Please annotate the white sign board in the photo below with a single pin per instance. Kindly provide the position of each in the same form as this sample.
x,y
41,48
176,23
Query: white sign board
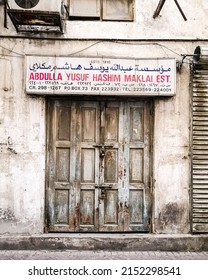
x,y
100,76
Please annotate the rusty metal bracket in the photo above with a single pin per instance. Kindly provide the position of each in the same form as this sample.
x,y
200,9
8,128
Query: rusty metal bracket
x,y
181,11
160,5
103,146
103,190
102,149
5,13
103,186
159,8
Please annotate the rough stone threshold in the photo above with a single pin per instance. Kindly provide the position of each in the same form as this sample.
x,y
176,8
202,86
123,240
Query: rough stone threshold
x,y
113,242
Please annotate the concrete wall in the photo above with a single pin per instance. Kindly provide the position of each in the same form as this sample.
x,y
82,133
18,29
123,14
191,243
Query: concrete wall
x,y
22,117
171,159
22,148
168,25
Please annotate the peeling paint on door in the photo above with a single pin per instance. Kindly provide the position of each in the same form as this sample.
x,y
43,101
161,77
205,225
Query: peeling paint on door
x,y
100,155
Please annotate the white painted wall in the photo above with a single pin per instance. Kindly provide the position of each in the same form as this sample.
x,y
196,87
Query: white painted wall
x,y
171,159
22,117
168,25
22,149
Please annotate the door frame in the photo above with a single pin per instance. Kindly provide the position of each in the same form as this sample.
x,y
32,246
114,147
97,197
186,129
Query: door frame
x,y
151,106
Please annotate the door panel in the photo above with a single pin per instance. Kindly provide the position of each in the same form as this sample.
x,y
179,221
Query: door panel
x,y
98,166
112,166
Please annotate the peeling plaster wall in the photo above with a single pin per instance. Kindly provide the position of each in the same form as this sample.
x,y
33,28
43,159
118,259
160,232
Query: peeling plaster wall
x,y
168,25
172,159
22,149
22,117
146,27
23,120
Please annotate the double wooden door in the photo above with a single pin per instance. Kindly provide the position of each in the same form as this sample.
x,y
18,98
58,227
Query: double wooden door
x,y
98,166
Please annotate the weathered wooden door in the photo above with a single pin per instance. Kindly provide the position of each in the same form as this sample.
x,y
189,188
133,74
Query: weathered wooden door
x,y
98,166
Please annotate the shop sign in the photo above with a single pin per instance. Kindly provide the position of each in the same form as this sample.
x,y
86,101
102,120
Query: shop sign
x,y
100,76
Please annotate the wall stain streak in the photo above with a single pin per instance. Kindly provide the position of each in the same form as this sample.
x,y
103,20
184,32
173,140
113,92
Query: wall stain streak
x,y
7,215
171,216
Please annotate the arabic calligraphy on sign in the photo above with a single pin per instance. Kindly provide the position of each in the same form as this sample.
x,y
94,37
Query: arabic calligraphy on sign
x,y
102,69
62,75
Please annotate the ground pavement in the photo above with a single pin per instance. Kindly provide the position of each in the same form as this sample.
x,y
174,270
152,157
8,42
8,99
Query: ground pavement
x,y
100,255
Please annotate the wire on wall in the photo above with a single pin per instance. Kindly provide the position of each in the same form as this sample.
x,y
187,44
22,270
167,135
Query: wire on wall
x,y
185,59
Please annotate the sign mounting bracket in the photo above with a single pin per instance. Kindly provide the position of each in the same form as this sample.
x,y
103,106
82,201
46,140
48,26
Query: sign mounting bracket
x,y
160,6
